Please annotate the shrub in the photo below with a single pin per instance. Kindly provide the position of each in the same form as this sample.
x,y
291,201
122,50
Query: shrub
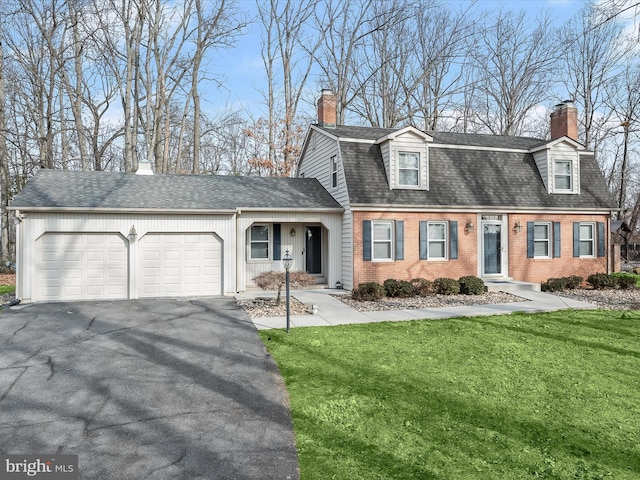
x,y
398,288
624,281
471,285
574,281
554,285
446,286
422,286
369,291
600,281
275,281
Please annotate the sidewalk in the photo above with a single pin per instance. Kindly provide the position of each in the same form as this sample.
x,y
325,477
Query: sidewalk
x,y
332,311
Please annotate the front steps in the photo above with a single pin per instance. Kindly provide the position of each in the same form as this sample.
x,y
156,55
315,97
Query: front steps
x,y
509,285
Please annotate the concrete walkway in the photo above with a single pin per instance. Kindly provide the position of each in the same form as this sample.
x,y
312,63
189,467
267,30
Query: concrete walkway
x,y
332,311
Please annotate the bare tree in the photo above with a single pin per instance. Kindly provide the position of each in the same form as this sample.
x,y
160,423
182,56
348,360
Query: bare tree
x,y
513,63
288,48
593,50
5,178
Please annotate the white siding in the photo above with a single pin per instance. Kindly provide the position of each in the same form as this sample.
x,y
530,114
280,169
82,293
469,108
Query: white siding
x,y
36,225
315,164
296,244
541,159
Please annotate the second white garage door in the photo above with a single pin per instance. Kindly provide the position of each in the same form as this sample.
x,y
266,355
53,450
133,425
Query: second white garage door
x,y
180,265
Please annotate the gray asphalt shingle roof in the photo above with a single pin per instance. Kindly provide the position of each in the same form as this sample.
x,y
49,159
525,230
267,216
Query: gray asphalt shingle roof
x,y
109,190
465,177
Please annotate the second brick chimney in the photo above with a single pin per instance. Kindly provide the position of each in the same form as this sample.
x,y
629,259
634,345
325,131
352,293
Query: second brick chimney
x,y
327,109
564,121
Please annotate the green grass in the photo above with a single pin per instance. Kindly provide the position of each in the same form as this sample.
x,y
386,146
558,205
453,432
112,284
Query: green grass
x,y
509,397
7,289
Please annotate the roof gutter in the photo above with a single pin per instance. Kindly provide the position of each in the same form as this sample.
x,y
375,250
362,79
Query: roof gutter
x,y
226,211
475,209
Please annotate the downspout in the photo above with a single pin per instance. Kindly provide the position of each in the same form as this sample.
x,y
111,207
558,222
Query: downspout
x,y
239,250
19,261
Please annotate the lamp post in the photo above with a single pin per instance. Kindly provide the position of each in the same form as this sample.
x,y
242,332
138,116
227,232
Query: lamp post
x,y
286,261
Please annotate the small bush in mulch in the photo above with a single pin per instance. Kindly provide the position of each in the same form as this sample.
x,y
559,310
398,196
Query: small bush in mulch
x,y
573,281
600,281
422,286
446,286
471,285
272,280
398,288
561,284
368,292
554,285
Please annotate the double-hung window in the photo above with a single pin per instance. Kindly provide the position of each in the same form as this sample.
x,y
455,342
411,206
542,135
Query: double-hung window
x,y
587,240
259,242
409,169
437,240
382,240
562,180
542,240
334,171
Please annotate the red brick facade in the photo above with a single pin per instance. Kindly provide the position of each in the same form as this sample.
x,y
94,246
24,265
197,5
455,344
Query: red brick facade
x,y
519,267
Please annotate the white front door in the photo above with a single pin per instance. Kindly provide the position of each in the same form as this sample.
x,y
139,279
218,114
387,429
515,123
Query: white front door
x,y
493,245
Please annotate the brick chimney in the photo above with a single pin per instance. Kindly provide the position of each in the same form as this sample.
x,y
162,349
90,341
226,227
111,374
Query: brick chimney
x,y
564,121
327,109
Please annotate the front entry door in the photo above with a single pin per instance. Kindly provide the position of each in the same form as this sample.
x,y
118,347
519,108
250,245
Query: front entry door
x,y
492,246
313,248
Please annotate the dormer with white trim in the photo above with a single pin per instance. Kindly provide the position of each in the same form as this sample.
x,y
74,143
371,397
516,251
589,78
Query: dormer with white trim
x,y
405,154
558,160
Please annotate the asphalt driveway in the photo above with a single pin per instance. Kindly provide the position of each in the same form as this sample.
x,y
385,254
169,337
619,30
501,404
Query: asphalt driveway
x,y
147,389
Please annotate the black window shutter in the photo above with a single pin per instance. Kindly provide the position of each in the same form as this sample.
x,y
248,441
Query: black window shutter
x,y
423,240
399,240
366,240
576,239
556,240
277,254
453,240
530,240
601,239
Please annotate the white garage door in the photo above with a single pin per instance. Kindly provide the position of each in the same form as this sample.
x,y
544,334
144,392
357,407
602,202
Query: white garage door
x,y
180,265
75,266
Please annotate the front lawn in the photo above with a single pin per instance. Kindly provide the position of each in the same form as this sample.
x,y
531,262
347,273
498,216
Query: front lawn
x,y
508,397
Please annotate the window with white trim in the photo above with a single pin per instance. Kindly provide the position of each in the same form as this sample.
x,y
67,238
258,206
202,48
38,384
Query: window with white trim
x,y
334,171
382,240
587,240
542,240
409,169
437,240
259,242
562,175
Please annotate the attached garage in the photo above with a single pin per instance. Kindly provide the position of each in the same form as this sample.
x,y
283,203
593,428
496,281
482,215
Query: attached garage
x,y
112,236
180,264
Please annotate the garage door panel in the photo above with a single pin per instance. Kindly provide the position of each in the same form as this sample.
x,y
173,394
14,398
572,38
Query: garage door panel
x,y
180,264
81,266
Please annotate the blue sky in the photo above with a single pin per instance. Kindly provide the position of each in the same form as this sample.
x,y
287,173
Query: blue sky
x,y
243,70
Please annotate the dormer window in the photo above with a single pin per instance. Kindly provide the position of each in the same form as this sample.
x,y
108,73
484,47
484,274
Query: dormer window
x,y
409,169
562,180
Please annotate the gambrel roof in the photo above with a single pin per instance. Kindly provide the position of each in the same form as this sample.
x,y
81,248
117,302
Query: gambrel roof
x,y
500,172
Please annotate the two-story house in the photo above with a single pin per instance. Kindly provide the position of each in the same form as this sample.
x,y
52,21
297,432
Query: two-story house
x,y
435,204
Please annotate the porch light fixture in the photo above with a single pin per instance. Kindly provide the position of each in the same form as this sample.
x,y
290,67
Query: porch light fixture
x,y
286,262
132,234
517,227
293,232
468,228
